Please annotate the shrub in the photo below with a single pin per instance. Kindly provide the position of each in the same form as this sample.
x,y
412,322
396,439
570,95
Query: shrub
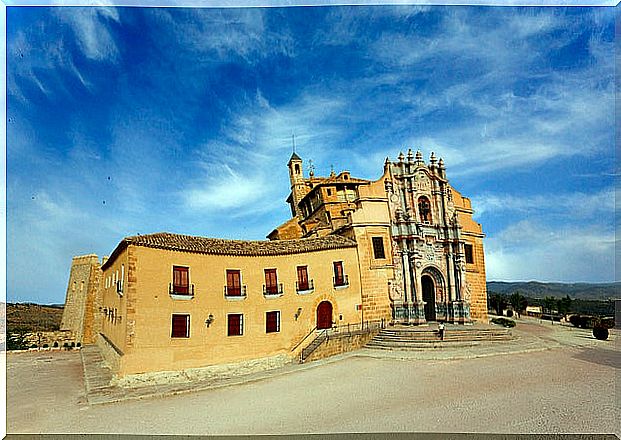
x,y
72,344
581,321
33,346
45,346
66,345
574,319
600,332
79,344
509,313
504,322
55,344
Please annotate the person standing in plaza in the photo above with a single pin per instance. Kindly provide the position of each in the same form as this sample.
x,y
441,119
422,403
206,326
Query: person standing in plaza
x,y
441,331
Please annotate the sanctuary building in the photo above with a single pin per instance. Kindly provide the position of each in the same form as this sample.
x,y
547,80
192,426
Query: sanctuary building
x,y
401,249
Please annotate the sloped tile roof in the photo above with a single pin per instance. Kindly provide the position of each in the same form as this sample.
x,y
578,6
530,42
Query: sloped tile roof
x,y
220,246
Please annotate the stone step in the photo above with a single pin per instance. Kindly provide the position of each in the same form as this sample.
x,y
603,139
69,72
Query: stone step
x,y
420,346
452,331
431,341
424,341
446,337
417,338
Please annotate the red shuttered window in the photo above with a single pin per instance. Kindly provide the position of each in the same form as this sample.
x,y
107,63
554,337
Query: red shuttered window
x,y
271,281
339,276
180,326
302,278
181,280
235,324
233,282
272,322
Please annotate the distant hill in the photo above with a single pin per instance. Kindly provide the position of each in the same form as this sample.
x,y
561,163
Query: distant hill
x,y
33,317
536,289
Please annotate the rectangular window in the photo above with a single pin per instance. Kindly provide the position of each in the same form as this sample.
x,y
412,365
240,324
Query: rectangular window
x,y
271,281
339,275
302,278
233,282
180,326
181,280
378,248
236,324
272,322
469,253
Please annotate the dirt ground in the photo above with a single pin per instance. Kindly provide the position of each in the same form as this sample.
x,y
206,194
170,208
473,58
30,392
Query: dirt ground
x,y
567,389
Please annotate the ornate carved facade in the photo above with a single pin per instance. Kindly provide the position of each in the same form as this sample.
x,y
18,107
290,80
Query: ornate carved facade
x,y
435,270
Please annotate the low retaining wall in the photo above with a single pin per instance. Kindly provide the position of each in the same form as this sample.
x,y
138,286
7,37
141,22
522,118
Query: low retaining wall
x,y
39,339
110,353
341,343
222,371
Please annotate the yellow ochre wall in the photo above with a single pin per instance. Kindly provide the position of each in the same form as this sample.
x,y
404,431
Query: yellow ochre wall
x,y
472,233
148,343
115,329
372,219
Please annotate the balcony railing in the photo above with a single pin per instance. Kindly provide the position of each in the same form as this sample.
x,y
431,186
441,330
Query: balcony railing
x,y
186,291
235,291
272,289
308,286
340,281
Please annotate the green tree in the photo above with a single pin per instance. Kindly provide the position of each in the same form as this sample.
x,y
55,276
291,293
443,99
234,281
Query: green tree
x,y
497,302
518,302
17,340
550,304
564,306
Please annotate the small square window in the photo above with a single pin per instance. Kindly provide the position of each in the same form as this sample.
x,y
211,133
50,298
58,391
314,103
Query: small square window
x,y
235,324
378,248
180,326
272,322
469,253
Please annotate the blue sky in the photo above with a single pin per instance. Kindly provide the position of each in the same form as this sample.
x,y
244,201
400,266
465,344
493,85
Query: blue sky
x,y
139,120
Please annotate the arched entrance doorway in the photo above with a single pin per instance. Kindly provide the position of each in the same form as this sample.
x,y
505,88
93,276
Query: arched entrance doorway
x,y
429,296
324,315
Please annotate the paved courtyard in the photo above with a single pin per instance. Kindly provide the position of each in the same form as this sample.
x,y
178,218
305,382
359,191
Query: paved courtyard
x,y
569,383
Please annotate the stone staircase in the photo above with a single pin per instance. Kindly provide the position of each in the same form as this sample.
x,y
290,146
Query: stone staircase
x,y
97,376
421,338
307,351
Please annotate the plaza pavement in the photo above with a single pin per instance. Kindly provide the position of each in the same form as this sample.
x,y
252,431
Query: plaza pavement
x,y
550,378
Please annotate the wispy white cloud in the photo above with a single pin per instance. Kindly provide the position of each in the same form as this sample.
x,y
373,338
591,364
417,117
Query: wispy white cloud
x,y
49,227
511,110
228,191
91,27
216,35
245,166
575,206
529,250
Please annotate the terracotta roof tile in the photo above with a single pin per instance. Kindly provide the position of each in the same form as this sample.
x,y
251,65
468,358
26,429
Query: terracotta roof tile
x,y
220,246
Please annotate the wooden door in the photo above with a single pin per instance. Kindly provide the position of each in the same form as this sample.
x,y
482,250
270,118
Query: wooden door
x,y
324,315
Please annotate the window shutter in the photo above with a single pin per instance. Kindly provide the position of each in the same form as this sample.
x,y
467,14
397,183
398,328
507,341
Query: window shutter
x,y
235,325
180,279
303,276
180,326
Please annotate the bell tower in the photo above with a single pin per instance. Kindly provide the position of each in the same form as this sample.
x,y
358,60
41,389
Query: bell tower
x,y
296,177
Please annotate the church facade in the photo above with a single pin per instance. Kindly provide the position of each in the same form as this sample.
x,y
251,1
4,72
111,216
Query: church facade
x,y
403,249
